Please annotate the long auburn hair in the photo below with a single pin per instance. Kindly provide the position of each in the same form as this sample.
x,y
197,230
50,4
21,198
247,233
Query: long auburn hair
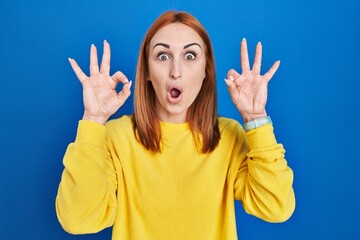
x,y
201,115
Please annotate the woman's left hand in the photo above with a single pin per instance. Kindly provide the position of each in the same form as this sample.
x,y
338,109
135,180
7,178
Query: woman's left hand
x,y
248,90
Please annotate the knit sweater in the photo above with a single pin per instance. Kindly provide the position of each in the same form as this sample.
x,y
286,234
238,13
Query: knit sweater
x,y
110,179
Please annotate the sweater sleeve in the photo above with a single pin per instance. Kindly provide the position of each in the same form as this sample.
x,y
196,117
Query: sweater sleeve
x,y
86,199
264,181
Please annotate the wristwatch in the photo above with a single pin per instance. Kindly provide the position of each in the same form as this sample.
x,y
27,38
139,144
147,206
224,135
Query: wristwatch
x,y
258,122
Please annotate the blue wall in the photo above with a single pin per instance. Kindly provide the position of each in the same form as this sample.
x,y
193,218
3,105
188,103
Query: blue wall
x,y
313,100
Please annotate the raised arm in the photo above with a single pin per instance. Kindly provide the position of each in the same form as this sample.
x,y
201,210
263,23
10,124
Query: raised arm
x,y
263,180
86,199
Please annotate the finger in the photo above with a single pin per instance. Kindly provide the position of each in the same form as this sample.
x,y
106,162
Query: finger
x,y
232,74
105,62
94,66
239,81
272,71
124,93
119,77
244,56
235,77
257,60
79,73
231,88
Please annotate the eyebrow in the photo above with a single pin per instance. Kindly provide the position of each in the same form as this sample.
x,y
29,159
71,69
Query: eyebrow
x,y
192,44
162,44
168,46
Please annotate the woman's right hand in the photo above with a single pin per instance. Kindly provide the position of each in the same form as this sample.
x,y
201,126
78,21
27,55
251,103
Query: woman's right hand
x,y
99,90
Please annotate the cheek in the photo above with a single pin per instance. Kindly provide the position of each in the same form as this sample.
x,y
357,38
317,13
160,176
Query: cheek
x,y
199,73
158,81
199,76
196,83
201,70
154,76
150,71
156,71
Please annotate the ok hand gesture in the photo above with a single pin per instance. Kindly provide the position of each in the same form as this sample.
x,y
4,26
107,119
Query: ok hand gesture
x,y
99,90
248,90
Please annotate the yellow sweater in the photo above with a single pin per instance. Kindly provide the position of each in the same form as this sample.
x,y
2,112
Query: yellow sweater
x,y
110,179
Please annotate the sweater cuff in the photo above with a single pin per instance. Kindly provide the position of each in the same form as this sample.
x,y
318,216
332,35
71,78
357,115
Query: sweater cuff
x,y
89,132
261,137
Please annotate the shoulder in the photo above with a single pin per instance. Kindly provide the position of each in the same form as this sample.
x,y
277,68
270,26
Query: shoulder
x,y
229,124
122,124
231,130
123,120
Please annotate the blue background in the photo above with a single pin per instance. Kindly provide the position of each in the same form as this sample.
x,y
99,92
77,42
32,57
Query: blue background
x,y
313,100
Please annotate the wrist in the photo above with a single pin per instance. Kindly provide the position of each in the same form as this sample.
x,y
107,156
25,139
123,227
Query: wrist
x,y
97,119
252,116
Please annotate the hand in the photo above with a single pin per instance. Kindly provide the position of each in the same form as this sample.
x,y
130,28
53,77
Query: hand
x,y
248,90
99,90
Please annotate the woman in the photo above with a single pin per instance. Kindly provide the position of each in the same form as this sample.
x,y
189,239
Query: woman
x,y
173,169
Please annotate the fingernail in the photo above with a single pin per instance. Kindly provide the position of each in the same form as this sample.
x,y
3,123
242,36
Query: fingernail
x,y
231,78
244,39
227,82
130,83
92,45
259,43
126,80
69,59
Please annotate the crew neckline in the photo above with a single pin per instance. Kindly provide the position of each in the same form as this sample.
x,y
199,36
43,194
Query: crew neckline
x,y
174,127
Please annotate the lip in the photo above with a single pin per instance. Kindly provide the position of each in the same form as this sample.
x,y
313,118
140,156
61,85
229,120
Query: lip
x,y
171,99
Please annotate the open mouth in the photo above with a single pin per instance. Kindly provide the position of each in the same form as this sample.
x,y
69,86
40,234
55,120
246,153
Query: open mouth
x,y
174,94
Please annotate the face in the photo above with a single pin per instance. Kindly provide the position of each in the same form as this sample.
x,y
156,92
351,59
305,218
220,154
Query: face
x,y
176,70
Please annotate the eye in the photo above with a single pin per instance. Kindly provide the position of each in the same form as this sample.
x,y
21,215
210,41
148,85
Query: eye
x,y
190,56
162,56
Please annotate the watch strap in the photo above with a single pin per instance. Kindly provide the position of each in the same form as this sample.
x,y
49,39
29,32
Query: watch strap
x,y
258,122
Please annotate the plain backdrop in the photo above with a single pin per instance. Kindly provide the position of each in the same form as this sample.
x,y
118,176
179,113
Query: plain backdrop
x,y
313,100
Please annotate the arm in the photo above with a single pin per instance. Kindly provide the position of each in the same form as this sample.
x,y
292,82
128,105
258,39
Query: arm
x,y
264,181
86,199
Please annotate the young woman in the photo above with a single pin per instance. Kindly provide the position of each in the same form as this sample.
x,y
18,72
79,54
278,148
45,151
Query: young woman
x,y
173,169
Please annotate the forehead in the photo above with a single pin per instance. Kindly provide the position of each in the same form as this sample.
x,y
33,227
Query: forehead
x,y
176,34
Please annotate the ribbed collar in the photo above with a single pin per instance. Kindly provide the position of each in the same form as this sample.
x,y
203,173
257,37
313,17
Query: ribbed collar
x,y
174,127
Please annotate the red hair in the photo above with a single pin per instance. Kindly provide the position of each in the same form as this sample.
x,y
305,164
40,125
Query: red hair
x,y
201,115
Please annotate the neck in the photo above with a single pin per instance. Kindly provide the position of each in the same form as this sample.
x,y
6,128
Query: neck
x,y
170,118
172,115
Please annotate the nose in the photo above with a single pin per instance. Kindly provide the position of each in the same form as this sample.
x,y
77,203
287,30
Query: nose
x,y
175,71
